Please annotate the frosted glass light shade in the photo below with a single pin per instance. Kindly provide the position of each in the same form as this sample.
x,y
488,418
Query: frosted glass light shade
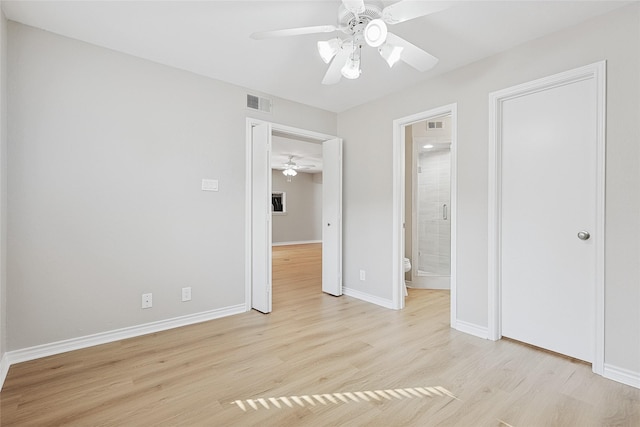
x,y
351,69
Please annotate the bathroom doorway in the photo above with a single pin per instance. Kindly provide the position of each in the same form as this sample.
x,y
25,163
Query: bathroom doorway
x,y
438,269
428,203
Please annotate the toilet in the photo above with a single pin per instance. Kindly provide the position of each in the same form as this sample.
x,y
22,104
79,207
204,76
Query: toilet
x,y
407,265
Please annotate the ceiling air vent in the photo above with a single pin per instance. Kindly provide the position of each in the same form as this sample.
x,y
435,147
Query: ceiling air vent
x,y
259,104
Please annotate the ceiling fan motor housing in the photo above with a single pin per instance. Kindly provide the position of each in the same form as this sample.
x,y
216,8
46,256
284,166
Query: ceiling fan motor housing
x,y
354,25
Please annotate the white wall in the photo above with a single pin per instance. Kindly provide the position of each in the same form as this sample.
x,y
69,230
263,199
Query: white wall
x,y
303,219
107,153
367,131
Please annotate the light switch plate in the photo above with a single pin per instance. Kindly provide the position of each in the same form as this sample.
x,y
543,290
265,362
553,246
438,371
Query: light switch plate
x,y
209,185
186,294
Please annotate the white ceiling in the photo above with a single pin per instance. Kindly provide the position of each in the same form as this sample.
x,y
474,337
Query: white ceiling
x,y
211,38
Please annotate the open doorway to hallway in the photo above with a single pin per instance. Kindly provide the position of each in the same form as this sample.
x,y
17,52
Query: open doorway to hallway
x,y
262,201
296,209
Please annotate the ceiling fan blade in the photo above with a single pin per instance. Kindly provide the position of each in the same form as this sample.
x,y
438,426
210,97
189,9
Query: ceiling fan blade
x,y
334,72
412,54
354,6
294,32
410,9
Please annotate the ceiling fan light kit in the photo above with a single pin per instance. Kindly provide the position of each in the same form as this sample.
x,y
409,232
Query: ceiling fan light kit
x,y
351,69
366,24
289,173
290,168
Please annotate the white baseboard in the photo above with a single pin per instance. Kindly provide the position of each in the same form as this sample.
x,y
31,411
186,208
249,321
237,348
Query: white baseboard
x,y
386,303
300,242
622,375
4,368
431,282
432,287
471,329
36,352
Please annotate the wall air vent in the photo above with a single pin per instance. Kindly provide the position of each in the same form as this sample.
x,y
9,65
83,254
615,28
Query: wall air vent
x,y
435,125
259,104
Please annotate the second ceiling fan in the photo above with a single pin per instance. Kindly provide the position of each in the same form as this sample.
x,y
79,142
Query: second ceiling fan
x,y
366,24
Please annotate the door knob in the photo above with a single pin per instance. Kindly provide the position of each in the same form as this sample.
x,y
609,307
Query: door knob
x,y
584,235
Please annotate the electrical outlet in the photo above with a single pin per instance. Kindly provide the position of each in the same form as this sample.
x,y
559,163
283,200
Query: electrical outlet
x,y
186,294
147,300
363,275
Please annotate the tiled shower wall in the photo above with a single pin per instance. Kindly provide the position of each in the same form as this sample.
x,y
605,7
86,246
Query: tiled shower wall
x,y
434,231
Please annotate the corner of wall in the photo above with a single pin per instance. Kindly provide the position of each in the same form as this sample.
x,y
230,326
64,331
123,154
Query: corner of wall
x,y
373,299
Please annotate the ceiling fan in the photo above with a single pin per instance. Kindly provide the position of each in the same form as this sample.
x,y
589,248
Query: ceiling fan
x,y
366,23
290,168
290,164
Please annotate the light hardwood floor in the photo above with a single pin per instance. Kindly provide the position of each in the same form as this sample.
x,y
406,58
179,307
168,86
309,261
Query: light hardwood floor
x,y
315,349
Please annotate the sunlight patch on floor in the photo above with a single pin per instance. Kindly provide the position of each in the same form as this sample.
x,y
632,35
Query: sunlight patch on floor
x,y
344,397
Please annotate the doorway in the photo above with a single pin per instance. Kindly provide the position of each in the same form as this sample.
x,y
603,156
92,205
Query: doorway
x,y
401,215
259,202
296,197
428,203
546,217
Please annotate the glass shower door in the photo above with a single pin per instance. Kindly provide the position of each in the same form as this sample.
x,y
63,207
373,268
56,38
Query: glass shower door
x,y
434,226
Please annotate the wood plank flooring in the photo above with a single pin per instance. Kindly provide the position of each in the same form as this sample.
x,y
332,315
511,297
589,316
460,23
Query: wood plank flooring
x,y
315,348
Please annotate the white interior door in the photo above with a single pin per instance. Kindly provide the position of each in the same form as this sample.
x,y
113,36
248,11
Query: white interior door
x,y
261,218
548,197
332,217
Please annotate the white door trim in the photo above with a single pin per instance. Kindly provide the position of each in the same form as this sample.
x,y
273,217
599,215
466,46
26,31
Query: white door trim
x,y
596,71
250,123
399,198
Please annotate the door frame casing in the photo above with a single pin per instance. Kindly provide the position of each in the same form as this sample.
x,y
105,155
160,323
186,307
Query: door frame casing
x,y
250,123
597,72
399,126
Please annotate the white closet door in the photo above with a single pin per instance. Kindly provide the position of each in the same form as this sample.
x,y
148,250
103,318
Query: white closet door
x,y
332,217
261,219
549,163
